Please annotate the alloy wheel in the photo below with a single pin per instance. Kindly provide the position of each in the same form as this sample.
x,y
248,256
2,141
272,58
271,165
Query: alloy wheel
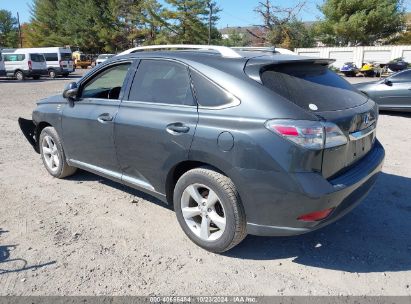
x,y
50,153
203,212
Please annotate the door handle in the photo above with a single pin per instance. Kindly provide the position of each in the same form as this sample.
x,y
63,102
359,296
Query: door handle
x,y
105,118
177,127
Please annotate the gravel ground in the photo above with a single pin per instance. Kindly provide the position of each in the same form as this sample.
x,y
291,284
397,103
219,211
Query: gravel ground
x,y
89,236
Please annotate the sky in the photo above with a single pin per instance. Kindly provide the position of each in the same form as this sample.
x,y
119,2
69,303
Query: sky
x,y
235,12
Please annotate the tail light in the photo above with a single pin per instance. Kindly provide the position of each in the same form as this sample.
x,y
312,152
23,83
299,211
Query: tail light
x,y
314,135
30,65
315,216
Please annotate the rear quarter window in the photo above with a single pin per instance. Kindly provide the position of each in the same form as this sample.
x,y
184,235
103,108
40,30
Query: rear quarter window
x,y
305,84
14,57
208,94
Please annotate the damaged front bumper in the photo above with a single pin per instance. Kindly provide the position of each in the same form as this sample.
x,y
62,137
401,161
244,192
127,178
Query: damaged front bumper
x,y
29,130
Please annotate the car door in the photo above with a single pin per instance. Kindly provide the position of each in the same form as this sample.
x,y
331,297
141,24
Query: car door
x,y
155,125
396,90
88,125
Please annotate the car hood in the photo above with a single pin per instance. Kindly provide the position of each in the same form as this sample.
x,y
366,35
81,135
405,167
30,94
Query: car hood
x,y
51,100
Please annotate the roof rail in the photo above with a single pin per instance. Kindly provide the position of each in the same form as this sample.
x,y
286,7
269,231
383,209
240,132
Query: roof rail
x,y
270,49
223,50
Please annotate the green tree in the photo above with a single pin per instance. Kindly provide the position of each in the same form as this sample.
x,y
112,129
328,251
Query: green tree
x,y
236,38
185,21
359,22
8,30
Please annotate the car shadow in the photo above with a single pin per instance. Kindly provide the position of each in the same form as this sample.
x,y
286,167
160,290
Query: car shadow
x,y
8,264
374,237
82,176
395,113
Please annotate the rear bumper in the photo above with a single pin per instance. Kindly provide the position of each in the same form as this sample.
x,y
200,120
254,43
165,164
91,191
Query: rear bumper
x,y
62,71
278,216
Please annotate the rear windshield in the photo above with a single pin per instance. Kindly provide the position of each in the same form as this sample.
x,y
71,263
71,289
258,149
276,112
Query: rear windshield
x,y
37,58
312,84
66,56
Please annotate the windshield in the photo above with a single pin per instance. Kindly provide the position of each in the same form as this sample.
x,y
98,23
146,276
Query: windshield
x,y
37,58
306,84
66,56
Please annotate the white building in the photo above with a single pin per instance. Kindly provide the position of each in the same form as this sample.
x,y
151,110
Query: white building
x,y
358,54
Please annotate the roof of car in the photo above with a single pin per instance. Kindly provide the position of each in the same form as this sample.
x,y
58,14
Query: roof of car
x,y
216,60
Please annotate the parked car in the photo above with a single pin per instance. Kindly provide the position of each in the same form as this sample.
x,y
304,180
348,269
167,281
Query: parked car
x,y
392,93
237,143
103,57
21,64
398,64
2,67
349,69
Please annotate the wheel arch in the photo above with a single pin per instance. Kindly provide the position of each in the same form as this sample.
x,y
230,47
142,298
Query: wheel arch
x,y
39,127
179,169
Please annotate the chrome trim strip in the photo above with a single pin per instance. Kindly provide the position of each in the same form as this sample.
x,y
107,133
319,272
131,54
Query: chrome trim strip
x,y
138,182
96,168
116,175
363,133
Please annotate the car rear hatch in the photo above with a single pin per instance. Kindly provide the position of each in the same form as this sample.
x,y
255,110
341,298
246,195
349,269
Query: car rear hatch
x,y
311,85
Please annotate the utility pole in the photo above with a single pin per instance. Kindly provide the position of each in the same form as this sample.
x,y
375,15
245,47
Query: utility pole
x,y
21,39
210,16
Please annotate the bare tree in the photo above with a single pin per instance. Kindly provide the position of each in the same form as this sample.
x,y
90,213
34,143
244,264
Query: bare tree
x,y
275,18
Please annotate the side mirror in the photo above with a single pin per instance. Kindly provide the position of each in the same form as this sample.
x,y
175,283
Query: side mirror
x,y
387,82
70,92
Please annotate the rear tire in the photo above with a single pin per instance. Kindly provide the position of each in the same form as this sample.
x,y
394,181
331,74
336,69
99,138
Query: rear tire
x,y
209,209
19,75
52,154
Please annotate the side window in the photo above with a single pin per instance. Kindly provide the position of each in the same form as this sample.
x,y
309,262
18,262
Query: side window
x,y
14,57
401,77
209,94
107,84
162,81
51,57
37,58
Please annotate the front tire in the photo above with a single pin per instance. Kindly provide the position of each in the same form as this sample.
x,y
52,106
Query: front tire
x,y
209,209
52,154
52,74
19,75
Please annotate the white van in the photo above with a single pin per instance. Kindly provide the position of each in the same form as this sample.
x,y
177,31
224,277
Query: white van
x,y
21,64
59,60
2,68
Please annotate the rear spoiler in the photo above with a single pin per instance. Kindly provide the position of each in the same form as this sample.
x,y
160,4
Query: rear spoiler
x,y
254,65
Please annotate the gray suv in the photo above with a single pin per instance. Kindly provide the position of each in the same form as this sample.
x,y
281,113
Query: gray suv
x,y
237,142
